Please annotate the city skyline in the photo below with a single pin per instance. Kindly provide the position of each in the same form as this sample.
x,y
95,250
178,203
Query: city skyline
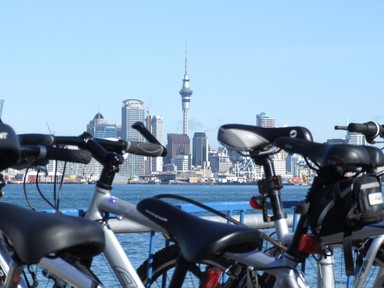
x,y
312,64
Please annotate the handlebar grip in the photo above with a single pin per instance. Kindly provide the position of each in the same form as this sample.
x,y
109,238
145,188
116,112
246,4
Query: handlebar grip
x,y
146,149
69,155
36,139
369,129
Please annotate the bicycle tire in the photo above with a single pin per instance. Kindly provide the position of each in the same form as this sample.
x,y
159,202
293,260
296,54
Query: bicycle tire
x,y
164,261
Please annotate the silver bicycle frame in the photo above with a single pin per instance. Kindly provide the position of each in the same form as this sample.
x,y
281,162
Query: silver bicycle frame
x,y
101,202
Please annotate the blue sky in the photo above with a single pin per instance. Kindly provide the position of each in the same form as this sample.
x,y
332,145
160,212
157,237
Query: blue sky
x,y
307,63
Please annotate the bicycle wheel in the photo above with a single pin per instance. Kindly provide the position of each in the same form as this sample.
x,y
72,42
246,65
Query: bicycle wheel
x,y
164,262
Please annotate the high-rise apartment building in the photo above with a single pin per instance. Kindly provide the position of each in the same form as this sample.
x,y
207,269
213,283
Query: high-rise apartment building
x,y
263,120
132,111
200,149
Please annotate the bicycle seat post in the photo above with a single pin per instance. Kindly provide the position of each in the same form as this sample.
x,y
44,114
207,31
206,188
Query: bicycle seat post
x,y
270,187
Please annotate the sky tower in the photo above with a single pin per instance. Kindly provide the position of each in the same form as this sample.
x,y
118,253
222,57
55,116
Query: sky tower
x,y
185,93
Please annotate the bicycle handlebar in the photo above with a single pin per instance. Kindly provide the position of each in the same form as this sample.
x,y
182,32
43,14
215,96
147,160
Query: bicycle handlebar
x,y
32,155
37,148
115,145
69,155
36,139
370,130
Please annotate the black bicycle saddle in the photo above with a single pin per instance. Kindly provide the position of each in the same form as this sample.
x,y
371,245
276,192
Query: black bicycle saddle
x,y
35,235
241,137
199,238
341,155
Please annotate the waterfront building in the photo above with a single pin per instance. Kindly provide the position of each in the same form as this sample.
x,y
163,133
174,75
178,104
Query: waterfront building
x,y
182,163
132,111
185,93
219,162
263,120
200,149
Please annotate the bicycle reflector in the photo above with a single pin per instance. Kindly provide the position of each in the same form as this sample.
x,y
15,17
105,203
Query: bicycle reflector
x,y
255,203
9,147
309,244
212,277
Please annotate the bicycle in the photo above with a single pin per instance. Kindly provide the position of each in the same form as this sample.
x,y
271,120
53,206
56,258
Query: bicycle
x,y
27,236
103,206
102,203
372,253
331,162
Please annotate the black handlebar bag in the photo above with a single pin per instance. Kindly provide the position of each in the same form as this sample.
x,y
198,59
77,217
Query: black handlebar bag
x,y
345,206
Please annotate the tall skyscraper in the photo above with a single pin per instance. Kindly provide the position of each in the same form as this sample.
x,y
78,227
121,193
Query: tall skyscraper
x,y
178,144
199,149
132,111
100,128
185,93
263,120
157,125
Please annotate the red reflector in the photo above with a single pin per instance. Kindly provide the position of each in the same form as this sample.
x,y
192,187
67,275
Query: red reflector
x,y
309,244
254,202
212,277
16,279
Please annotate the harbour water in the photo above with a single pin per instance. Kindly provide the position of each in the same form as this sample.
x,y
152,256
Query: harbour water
x,y
136,245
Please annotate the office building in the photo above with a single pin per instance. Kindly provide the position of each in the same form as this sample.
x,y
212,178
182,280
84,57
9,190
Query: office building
x,y
100,128
220,162
355,138
263,120
177,144
157,129
182,163
132,111
200,149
